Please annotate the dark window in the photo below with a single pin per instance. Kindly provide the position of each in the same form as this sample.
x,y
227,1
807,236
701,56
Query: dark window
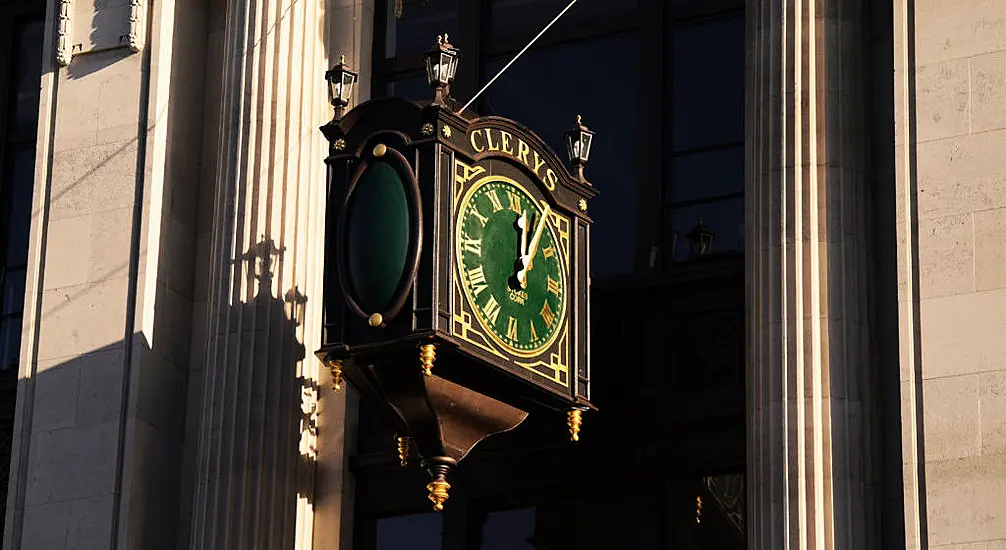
x,y
415,532
20,76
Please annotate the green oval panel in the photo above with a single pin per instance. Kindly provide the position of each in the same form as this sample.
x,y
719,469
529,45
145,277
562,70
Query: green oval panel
x,y
377,237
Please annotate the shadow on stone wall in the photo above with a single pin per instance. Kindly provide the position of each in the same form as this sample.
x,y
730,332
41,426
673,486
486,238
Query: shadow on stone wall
x,y
77,476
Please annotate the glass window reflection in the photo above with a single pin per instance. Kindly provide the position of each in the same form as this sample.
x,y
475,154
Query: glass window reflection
x,y
705,175
509,530
707,90
725,218
415,532
416,89
412,26
532,92
527,17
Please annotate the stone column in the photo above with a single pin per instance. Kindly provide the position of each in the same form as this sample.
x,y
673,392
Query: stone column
x,y
257,445
807,256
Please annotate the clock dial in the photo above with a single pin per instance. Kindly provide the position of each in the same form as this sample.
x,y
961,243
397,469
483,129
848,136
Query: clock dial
x,y
510,265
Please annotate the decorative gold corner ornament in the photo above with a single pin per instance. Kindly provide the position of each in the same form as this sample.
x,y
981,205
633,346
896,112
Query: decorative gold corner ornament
x,y
574,420
427,354
335,367
582,205
403,448
380,149
438,493
427,129
376,319
446,130
339,145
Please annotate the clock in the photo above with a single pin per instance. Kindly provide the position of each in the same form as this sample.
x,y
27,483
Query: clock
x,y
510,265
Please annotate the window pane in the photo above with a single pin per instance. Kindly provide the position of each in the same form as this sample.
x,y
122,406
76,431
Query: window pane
x,y
707,84
10,342
531,93
420,23
528,17
710,174
415,532
19,179
509,529
415,89
13,291
725,218
706,512
29,66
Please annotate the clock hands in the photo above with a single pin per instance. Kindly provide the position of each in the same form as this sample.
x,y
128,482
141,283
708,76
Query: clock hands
x,y
527,259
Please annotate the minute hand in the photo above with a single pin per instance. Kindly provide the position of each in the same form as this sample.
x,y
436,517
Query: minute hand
x,y
528,259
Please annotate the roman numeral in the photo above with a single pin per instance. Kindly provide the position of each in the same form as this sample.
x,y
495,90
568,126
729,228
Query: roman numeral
x,y
511,329
478,280
547,315
553,286
548,252
493,198
491,309
471,245
514,202
534,333
483,219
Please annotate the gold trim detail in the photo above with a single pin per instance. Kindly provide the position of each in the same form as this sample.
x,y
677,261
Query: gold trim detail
x,y
340,144
574,419
335,367
438,493
380,149
375,320
427,355
403,449
582,205
446,130
427,129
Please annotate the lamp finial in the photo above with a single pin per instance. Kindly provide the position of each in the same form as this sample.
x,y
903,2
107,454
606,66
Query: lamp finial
x,y
342,58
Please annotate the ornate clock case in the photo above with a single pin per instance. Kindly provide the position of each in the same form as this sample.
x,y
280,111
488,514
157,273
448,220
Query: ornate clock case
x,y
397,322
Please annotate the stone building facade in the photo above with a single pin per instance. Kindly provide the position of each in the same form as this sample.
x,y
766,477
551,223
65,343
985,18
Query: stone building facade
x,y
163,211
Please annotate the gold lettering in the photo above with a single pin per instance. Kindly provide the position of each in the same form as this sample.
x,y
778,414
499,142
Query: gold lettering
x,y
547,315
511,329
491,309
553,286
478,278
493,198
471,245
474,145
550,179
489,141
538,163
505,138
483,219
514,201
522,151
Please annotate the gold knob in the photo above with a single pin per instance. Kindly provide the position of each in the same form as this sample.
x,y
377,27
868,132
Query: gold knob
x,y
335,367
438,493
574,420
403,449
375,320
380,149
427,354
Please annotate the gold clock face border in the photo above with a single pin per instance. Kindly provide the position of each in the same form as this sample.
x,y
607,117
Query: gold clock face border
x,y
477,313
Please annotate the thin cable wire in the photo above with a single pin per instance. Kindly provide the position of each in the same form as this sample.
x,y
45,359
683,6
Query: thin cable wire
x,y
490,83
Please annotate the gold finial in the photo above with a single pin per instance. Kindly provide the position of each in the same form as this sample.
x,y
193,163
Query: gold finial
x,y
578,119
574,420
438,493
335,367
445,39
427,354
403,449
375,320
440,39
342,59
698,509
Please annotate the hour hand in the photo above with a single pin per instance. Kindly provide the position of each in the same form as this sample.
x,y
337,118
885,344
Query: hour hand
x,y
520,266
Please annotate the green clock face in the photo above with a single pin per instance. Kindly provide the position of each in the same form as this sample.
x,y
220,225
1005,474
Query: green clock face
x,y
510,265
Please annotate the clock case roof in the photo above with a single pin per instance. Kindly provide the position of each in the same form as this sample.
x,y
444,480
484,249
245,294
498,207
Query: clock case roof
x,y
470,394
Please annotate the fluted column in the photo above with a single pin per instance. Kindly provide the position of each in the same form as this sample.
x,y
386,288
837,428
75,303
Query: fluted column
x,y
810,440
257,435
